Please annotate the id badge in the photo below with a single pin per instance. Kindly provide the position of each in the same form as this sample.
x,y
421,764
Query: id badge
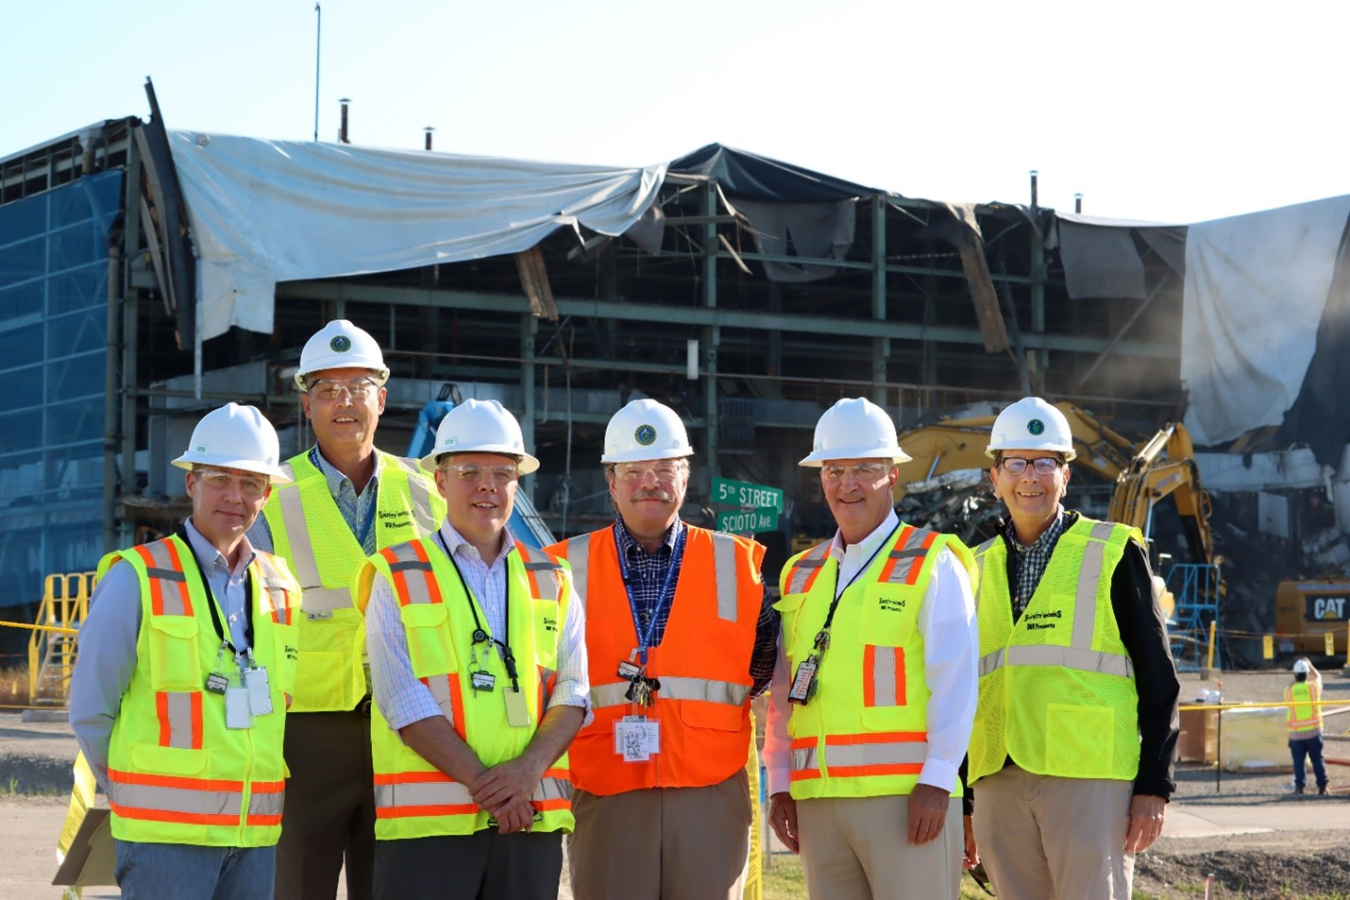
x,y
637,738
216,683
630,671
804,682
259,691
482,681
237,712
517,715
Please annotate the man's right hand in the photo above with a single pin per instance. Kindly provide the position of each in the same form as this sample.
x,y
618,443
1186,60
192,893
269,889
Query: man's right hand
x,y
783,818
517,815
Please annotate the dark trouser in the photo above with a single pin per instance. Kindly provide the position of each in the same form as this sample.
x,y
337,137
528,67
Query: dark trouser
x,y
330,807
1312,749
484,865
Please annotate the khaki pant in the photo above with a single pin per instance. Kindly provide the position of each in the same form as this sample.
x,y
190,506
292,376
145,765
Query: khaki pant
x,y
857,848
662,843
1048,838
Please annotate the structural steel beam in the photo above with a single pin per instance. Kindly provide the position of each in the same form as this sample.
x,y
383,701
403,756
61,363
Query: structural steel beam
x,y
652,313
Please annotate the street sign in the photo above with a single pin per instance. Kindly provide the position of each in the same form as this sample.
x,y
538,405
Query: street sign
x,y
754,507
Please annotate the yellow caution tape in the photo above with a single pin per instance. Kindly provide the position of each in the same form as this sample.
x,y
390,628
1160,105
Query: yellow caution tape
x,y
55,628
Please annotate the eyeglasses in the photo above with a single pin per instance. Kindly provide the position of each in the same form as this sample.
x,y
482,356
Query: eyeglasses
x,y
1016,465
472,474
860,472
252,486
633,472
356,389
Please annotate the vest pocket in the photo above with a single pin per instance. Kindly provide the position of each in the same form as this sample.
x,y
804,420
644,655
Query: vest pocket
x,y
547,626
1079,740
174,665
429,647
888,616
714,716
158,760
286,639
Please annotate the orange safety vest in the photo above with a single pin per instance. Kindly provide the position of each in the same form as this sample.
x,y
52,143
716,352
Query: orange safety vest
x,y
702,662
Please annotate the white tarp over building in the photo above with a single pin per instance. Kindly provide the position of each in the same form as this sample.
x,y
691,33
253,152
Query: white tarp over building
x,y
1256,286
268,211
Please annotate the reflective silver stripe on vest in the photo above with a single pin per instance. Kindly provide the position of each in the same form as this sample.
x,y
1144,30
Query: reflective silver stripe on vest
x,y
579,557
179,708
545,571
417,574
552,789
440,691
913,550
1089,575
419,494
884,691
980,551
724,572
675,687
319,602
838,756
422,793
269,803
175,799
303,564
173,592
803,568
1067,657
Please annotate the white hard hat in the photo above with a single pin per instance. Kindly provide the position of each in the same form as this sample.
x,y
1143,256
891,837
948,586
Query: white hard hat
x,y
340,345
645,429
1301,667
235,437
1031,424
480,426
854,428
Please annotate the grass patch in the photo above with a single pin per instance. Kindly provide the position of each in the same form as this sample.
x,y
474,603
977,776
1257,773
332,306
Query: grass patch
x,y
13,686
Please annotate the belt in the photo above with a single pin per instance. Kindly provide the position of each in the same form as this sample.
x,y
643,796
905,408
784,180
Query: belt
x,y
363,705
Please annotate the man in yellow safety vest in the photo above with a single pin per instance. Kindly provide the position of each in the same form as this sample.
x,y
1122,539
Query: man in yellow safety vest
x,y
878,671
1303,718
186,666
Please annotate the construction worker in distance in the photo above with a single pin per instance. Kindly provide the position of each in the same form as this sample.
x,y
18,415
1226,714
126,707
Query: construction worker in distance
x,y
874,692
347,500
1303,718
186,665
479,672
1071,753
680,635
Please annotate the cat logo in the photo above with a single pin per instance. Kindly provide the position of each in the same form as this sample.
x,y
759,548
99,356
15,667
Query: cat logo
x,y
1328,608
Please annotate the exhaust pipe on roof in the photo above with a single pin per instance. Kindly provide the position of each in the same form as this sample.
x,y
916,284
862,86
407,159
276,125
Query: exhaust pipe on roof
x,y
427,131
1077,203
1034,173
343,137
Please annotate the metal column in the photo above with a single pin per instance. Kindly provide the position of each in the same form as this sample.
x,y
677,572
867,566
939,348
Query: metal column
x,y
711,334
881,346
529,327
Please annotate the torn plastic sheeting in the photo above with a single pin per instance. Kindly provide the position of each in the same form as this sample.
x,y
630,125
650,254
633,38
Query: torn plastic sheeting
x,y
268,211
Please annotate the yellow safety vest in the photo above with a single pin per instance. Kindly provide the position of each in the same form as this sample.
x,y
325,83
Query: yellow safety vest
x,y
1057,690
310,533
176,774
1303,717
412,797
865,731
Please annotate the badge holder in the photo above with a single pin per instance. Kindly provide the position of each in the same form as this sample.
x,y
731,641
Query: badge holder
x,y
517,713
479,679
636,737
259,689
804,681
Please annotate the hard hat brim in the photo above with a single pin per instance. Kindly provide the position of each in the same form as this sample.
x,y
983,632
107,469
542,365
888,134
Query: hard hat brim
x,y
820,457
275,473
645,455
528,464
302,378
1069,455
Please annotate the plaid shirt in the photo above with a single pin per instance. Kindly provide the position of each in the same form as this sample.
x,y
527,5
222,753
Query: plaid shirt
x,y
1028,563
647,573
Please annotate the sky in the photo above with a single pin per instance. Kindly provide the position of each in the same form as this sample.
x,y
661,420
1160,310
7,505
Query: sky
x,y
1176,111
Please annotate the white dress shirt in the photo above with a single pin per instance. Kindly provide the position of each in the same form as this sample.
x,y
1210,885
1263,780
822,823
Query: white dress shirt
x,y
951,664
403,698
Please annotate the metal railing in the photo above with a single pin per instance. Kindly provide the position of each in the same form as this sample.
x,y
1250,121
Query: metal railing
x,y
51,654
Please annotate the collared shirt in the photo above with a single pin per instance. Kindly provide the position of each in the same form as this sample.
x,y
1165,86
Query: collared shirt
x,y
951,654
108,637
647,574
1029,563
357,510
403,699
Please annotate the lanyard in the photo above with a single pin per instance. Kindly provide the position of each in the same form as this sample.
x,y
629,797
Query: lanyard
x,y
215,613
823,637
664,598
479,633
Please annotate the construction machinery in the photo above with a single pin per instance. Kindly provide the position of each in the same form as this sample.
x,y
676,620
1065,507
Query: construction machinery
x,y
525,523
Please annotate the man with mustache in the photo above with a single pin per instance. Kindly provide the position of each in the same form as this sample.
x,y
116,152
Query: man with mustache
x,y
680,634
348,500
1071,752
186,666
875,690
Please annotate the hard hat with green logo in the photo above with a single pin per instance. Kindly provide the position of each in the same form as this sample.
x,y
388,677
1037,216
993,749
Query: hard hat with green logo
x,y
480,426
235,437
340,345
645,429
1031,424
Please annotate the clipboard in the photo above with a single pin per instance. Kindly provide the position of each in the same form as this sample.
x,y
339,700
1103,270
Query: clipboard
x,y
92,857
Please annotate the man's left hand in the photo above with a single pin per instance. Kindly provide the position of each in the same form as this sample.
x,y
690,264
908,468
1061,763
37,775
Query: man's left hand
x,y
505,783
927,812
1145,822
